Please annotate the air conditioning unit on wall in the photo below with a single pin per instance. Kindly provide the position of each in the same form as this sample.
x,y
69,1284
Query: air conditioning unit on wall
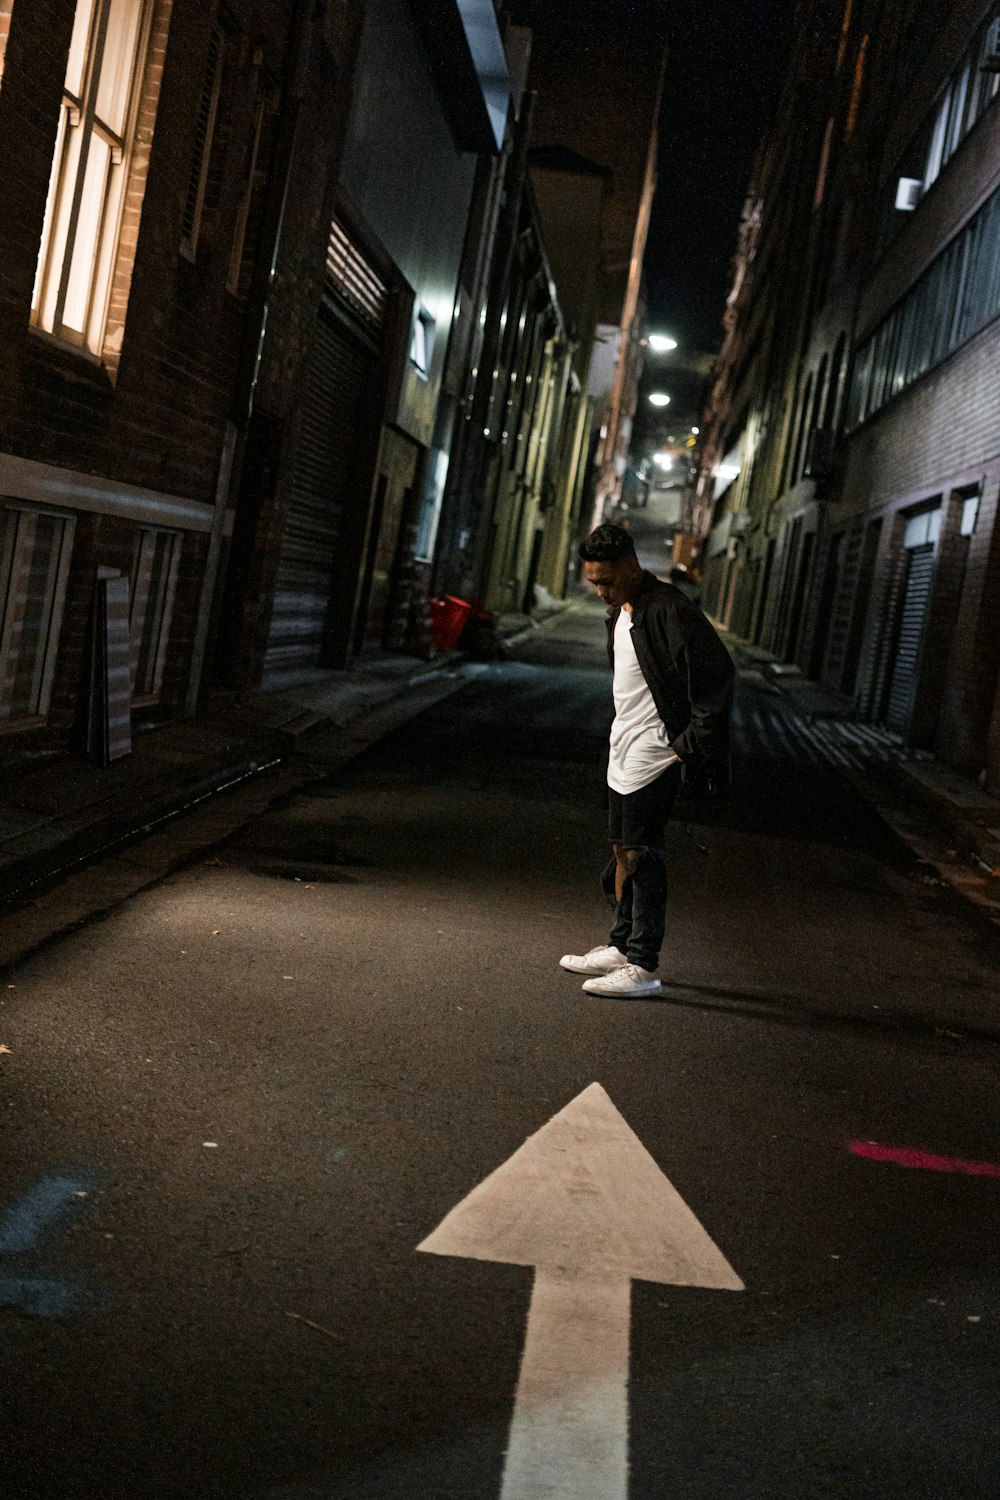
x,y
908,193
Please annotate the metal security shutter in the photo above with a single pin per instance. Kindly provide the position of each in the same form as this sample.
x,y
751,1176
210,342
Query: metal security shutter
x,y
920,573
337,377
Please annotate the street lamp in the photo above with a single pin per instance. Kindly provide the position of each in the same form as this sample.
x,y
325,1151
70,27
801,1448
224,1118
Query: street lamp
x,y
660,343
659,398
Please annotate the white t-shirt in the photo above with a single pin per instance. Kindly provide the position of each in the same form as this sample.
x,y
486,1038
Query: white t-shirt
x,y
640,749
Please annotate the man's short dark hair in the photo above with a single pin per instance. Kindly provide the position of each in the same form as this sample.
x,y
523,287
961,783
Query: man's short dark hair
x,y
607,544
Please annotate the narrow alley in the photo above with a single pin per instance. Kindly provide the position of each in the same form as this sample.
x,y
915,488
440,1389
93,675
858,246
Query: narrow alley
x,y
356,357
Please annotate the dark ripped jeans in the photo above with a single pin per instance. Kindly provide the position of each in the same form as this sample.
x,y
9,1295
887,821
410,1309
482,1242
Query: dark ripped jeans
x,y
635,880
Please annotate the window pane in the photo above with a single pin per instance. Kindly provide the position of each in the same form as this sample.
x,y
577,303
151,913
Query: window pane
x,y
118,63
154,581
90,170
956,120
104,256
937,142
53,244
88,232
76,67
31,611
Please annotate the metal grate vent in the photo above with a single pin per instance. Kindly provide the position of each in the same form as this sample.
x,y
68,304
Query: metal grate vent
x,y
353,278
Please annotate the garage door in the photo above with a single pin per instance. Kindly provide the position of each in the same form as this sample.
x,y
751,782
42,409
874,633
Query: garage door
x,y
903,684
338,376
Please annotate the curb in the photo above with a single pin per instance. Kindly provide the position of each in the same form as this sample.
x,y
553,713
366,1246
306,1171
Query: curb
x,y
84,840
957,813
78,837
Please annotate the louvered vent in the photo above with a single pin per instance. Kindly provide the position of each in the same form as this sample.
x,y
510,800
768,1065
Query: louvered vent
x,y
353,278
207,110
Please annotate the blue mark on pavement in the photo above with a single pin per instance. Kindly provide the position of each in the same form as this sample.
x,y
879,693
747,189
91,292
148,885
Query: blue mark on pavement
x,y
42,1297
23,1226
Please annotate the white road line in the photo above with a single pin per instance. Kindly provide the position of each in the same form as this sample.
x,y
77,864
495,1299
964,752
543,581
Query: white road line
x,y
765,734
827,749
569,1433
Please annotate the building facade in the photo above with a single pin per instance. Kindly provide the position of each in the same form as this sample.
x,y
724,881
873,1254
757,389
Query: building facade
x,y
332,559
846,500
153,143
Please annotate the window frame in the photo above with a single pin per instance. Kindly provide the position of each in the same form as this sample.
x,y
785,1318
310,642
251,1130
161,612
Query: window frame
x,y
64,228
955,299
10,620
142,599
6,13
422,338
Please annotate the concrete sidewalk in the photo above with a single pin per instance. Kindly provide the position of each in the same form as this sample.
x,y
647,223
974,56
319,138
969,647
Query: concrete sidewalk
x,y
945,817
59,815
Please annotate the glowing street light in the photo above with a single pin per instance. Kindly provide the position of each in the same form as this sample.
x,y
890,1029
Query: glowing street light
x,y
659,398
661,344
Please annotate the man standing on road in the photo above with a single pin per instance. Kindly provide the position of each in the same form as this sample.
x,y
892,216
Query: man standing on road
x,y
673,687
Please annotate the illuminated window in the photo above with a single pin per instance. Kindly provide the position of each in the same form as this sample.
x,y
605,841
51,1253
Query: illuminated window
x,y
90,170
969,91
152,593
824,165
35,547
845,30
422,342
859,76
418,346
6,6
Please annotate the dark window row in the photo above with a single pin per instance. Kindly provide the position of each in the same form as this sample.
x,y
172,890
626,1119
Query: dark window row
x,y
955,298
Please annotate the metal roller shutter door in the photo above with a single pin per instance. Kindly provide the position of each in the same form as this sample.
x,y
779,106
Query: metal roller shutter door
x,y
336,379
902,688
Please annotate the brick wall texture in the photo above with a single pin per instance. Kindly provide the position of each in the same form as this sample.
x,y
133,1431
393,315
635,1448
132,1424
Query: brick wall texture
x,y
152,410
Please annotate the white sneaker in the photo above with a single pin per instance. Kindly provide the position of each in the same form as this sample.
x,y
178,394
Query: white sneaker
x,y
625,982
597,961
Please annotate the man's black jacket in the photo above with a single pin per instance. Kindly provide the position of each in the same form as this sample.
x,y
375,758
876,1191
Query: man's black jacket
x,y
689,673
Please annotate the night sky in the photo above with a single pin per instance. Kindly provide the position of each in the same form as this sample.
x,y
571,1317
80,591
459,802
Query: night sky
x,y
723,72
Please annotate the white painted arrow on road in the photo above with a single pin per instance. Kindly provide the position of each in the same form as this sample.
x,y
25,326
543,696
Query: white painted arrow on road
x,y
585,1204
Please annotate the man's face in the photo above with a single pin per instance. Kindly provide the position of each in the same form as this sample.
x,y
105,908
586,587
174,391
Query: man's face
x,y
612,581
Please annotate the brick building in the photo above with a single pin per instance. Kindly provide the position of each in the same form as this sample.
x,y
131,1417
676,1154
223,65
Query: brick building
x,y
851,460
153,142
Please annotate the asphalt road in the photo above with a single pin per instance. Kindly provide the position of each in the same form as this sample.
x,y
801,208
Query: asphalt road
x,y
233,1109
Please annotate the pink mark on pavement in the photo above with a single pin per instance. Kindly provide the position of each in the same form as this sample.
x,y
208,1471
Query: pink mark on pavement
x,y
904,1156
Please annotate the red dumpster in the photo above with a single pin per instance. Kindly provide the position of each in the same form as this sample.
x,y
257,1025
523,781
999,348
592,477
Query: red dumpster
x,y
448,617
